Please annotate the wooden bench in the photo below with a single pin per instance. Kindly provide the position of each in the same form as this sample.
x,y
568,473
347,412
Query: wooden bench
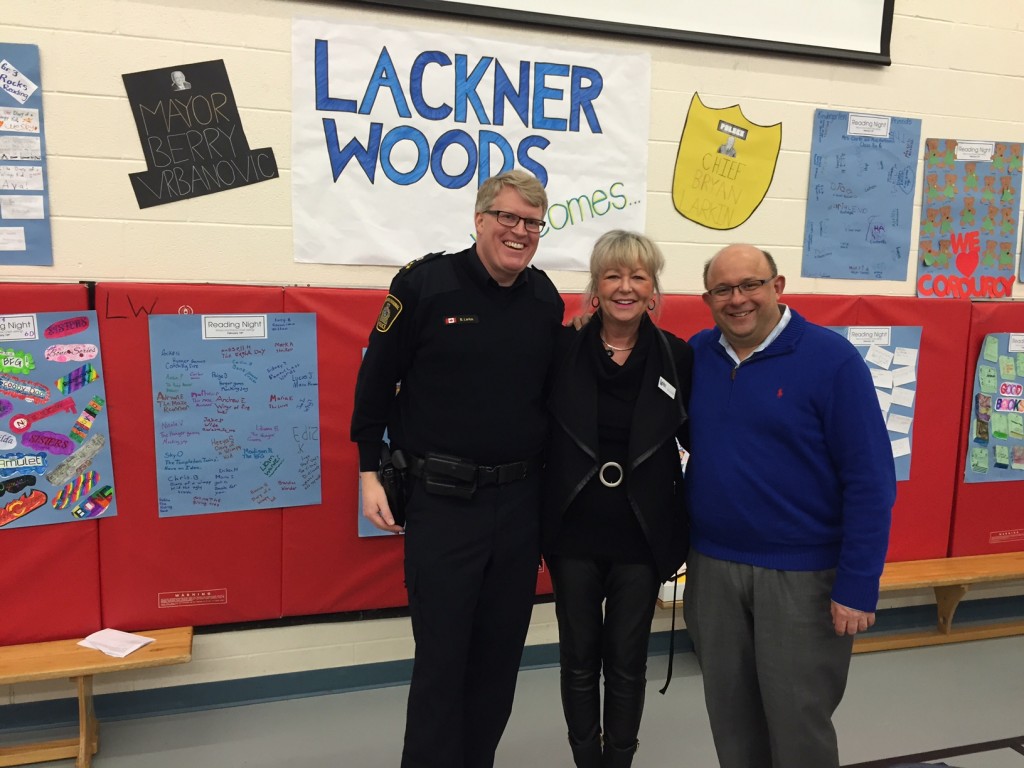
x,y
65,658
950,577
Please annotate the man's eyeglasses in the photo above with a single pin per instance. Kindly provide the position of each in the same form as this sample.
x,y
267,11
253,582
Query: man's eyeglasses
x,y
747,287
510,220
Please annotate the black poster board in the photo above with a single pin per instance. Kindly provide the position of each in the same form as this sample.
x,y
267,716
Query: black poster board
x,y
191,134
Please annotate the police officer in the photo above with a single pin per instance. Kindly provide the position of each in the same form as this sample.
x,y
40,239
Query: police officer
x,y
469,336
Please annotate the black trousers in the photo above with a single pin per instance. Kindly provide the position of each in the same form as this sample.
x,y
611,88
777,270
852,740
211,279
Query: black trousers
x,y
471,573
613,640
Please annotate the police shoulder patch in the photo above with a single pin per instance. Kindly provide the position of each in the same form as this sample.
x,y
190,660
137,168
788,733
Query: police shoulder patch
x,y
388,313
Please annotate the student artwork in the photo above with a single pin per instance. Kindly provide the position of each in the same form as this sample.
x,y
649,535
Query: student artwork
x,y
24,195
996,430
54,455
236,412
724,165
891,355
860,196
191,134
969,208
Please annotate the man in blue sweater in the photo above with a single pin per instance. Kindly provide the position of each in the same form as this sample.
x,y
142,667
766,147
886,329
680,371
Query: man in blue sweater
x,y
791,486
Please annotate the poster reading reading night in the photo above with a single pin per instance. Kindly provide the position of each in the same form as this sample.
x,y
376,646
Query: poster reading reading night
x,y
236,412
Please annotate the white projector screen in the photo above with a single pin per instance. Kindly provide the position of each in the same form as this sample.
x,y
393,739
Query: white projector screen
x,y
857,30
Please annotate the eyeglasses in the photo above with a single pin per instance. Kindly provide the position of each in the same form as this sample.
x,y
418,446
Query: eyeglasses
x,y
747,287
510,220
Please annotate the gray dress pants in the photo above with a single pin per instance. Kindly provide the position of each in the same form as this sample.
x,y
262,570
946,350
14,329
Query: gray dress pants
x,y
774,669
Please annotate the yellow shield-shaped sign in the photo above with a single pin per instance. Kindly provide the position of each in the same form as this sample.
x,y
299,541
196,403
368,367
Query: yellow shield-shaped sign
x,y
724,166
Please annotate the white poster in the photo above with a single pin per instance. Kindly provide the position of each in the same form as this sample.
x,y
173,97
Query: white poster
x,y
394,130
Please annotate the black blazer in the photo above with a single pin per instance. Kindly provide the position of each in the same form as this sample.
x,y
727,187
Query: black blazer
x,y
653,476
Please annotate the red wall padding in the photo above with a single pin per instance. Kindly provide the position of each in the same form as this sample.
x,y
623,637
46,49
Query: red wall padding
x,y
226,568
983,509
51,574
263,564
326,567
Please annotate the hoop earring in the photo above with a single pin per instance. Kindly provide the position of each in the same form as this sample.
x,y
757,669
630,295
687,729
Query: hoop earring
x,y
651,306
595,302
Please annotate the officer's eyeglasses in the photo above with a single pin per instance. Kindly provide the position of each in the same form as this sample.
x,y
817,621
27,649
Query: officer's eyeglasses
x,y
510,220
747,287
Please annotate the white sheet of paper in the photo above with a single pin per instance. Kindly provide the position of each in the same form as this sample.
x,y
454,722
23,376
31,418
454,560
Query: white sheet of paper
x,y
14,83
901,376
12,238
903,396
904,356
21,148
899,423
28,177
882,379
879,356
884,400
19,120
901,447
114,642
21,206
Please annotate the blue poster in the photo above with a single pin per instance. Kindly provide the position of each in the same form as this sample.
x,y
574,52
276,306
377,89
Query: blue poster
x,y
55,462
24,200
891,354
236,412
995,439
860,196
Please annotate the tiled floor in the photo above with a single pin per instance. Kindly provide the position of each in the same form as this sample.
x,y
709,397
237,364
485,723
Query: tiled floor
x,y
898,703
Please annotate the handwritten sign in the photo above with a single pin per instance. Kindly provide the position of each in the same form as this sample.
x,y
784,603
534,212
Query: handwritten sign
x,y
860,196
387,121
191,135
236,412
14,83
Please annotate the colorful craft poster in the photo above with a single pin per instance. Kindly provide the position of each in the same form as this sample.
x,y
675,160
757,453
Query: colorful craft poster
x,y
55,462
969,209
995,439
891,353
860,196
24,196
724,165
236,412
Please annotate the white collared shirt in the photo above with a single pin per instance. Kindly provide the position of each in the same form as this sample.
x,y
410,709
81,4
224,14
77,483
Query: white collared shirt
x,y
779,328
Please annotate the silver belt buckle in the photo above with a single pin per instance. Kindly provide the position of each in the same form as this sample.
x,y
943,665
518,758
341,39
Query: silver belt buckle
x,y
605,481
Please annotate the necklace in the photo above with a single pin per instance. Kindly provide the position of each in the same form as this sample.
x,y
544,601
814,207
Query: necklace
x,y
610,350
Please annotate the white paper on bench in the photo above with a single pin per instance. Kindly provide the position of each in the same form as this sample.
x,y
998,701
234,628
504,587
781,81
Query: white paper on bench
x,y
114,642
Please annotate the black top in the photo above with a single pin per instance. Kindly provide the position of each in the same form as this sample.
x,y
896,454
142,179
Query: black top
x,y
600,521
472,358
587,430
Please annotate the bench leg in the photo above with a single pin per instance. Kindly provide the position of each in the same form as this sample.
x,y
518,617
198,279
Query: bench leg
x,y
88,728
946,601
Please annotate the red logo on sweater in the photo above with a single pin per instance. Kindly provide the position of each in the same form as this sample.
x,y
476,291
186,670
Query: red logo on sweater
x,y
779,393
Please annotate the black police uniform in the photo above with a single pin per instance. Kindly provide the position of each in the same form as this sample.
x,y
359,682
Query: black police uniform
x,y
473,359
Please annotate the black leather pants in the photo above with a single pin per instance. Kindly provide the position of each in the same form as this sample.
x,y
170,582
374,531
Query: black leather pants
x,y
604,615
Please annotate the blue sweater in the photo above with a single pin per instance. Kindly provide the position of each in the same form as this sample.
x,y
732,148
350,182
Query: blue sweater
x,y
791,466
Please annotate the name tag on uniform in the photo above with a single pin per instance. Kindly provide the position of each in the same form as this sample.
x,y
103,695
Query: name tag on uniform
x,y
665,387
461,319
